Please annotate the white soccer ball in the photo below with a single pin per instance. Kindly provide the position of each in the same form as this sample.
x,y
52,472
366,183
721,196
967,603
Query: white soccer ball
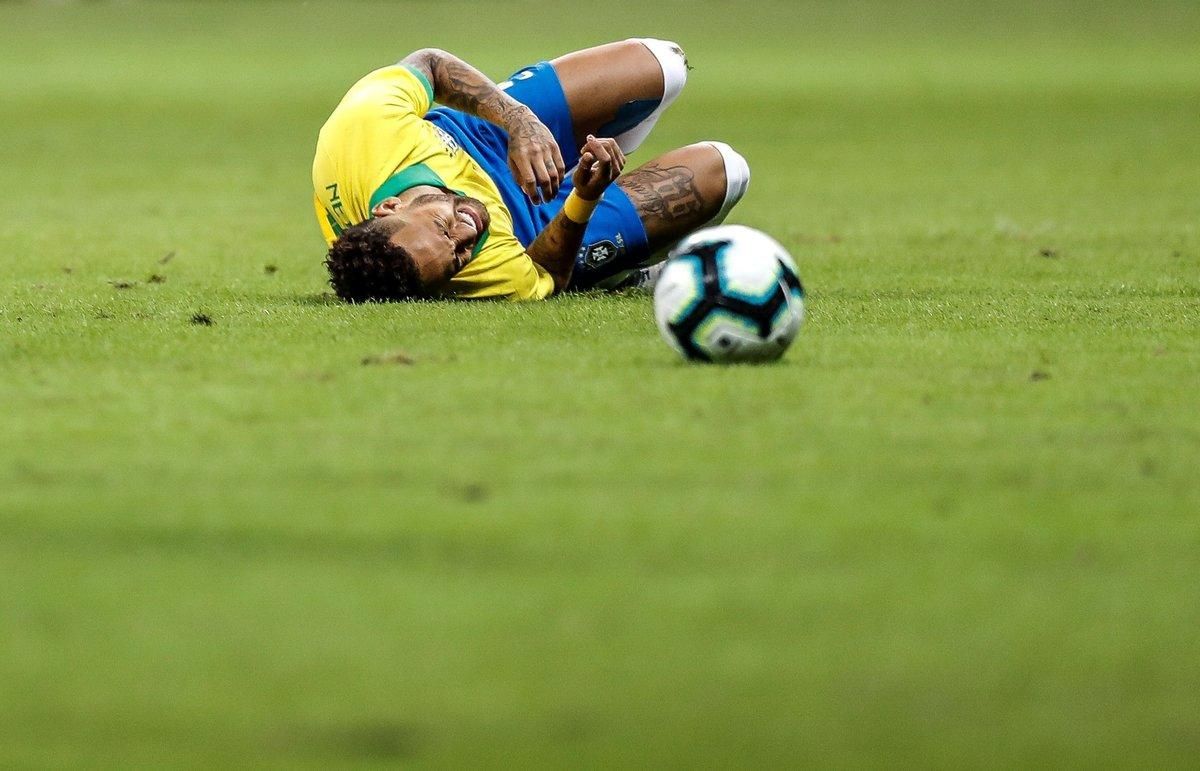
x,y
729,294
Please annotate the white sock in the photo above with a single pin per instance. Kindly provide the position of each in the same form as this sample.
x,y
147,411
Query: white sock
x,y
674,68
737,180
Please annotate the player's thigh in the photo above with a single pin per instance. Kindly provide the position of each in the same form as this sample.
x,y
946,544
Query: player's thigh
x,y
677,192
599,81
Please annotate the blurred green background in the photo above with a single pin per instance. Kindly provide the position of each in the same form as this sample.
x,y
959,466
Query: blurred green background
x,y
956,526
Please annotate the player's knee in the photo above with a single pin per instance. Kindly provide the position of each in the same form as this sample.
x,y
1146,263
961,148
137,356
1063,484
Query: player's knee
x,y
673,62
737,177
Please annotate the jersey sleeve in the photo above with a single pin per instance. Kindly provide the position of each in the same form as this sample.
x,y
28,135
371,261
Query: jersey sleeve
x,y
330,227
377,128
395,91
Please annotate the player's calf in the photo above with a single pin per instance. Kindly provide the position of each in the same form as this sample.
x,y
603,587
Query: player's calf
x,y
636,119
621,89
685,189
737,180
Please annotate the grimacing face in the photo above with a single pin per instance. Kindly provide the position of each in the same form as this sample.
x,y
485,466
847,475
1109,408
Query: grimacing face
x,y
438,229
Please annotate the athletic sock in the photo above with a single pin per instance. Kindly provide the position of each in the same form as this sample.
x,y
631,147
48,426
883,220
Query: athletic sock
x,y
737,180
674,68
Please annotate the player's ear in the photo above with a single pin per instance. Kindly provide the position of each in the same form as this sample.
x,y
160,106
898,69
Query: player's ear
x,y
386,206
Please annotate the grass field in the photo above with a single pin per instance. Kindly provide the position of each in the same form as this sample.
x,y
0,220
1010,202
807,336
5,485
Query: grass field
x,y
958,525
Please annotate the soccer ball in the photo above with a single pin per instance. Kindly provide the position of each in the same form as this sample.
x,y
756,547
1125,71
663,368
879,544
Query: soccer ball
x,y
729,294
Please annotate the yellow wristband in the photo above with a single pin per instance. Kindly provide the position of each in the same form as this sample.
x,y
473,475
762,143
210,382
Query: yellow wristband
x,y
578,210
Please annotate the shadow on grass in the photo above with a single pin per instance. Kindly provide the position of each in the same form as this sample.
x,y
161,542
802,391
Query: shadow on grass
x,y
380,740
260,543
316,300
330,300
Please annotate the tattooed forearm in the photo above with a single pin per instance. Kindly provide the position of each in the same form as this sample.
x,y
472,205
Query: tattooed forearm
x,y
459,85
555,249
664,196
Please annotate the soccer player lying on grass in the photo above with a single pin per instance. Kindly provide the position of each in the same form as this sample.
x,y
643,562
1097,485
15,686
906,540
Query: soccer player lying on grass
x,y
474,199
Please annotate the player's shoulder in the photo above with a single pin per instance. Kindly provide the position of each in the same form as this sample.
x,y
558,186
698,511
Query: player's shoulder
x,y
391,79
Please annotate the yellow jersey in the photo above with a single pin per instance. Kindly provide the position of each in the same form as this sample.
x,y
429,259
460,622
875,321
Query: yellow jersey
x,y
377,144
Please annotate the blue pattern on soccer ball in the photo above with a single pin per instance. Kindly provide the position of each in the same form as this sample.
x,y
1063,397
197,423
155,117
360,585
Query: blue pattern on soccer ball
x,y
760,297
729,294
682,312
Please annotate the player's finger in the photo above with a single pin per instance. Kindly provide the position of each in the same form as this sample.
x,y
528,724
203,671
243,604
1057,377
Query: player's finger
x,y
524,177
559,166
618,158
525,181
555,175
620,154
613,169
542,177
600,168
556,153
603,156
592,145
583,172
536,176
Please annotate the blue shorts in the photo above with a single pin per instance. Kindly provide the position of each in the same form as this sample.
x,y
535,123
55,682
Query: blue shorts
x,y
615,240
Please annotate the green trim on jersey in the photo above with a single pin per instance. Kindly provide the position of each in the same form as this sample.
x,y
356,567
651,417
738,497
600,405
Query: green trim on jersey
x,y
424,81
479,244
417,174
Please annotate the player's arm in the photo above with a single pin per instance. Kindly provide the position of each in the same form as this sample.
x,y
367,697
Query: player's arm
x,y
533,155
558,243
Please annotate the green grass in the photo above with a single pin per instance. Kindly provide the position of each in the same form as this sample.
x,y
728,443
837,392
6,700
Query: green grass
x,y
956,525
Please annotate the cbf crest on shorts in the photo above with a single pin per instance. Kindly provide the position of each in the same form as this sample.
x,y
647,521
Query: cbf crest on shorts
x,y
600,253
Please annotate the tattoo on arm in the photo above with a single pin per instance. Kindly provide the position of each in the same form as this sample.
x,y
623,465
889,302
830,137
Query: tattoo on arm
x,y
459,85
555,249
666,199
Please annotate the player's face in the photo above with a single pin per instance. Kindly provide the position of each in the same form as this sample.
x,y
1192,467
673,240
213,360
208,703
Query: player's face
x,y
440,231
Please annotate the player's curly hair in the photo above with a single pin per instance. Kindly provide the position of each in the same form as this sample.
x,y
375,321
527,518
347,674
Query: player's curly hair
x,y
365,267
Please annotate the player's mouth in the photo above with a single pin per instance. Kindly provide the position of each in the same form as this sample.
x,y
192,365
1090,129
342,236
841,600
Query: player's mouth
x,y
471,220
476,213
